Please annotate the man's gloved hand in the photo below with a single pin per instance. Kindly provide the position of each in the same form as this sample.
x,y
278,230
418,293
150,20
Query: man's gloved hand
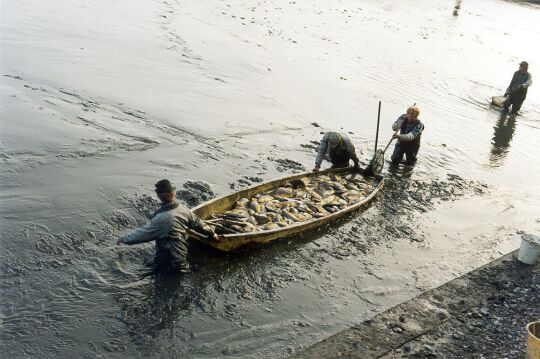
x,y
356,166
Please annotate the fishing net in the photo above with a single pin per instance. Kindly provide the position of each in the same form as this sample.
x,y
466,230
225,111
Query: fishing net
x,y
377,162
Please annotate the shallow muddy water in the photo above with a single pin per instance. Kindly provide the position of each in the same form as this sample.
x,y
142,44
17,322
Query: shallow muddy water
x,y
99,101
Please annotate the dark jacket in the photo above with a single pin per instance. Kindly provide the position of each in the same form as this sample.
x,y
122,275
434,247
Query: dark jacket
x,y
410,132
519,84
168,228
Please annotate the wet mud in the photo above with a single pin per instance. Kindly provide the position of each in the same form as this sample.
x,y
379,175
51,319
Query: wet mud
x,y
195,193
313,145
221,286
487,319
219,98
284,164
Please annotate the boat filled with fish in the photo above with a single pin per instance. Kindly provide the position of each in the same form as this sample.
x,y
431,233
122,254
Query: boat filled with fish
x,y
287,206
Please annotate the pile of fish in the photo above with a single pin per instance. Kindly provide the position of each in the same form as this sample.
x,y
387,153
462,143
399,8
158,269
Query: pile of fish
x,y
297,201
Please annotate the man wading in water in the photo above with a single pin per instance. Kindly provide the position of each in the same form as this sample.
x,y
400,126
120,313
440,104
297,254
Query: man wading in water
x,y
409,136
517,90
168,227
339,148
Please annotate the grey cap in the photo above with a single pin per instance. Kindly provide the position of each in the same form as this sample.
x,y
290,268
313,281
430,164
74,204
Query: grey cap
x,y
334,139
164,186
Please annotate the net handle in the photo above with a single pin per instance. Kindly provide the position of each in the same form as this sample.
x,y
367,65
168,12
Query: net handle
x,y
378,121
389,142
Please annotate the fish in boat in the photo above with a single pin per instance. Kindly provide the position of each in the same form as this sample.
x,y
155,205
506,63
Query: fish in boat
x,y
338,187
254,206
284,207
261,219
289,215
327,200
282,192
270,226
274,217
351,186
242,202
265,198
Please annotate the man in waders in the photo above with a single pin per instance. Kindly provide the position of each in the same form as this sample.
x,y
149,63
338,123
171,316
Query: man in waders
x,y
167,228
409,135
517,90
339,148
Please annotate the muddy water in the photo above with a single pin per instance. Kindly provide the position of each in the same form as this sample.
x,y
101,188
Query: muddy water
x,y
98,101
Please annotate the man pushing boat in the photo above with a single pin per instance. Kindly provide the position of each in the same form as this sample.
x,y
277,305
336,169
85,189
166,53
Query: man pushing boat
x,y
340,149
169,228
517,90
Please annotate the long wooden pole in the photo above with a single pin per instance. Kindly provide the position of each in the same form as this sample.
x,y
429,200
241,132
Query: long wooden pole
x,y
378,121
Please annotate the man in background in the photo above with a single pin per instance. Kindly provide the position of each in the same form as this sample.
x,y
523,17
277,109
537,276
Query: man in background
x,y
517,90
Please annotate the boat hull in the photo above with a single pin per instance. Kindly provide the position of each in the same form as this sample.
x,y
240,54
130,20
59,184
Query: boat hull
x,y
237,242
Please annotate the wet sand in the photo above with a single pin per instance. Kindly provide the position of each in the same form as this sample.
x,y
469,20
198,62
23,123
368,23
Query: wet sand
x,y
99,101
482,314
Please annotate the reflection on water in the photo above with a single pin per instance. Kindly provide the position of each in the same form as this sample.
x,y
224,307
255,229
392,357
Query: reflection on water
x,y
157,315
502,136
155,310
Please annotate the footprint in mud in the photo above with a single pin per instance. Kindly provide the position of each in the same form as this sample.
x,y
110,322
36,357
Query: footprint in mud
x,y
253,179
144,204
195,193
121,220
288,165
172,40
13,77
312,145
244,182
241,183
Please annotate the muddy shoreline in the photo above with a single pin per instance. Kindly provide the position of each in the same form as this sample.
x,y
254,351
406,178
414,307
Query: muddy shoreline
x,y
482,314
100,100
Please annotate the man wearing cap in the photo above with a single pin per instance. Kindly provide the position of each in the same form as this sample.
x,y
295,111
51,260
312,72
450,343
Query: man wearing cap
x,y
167,227
408,140
339,148
517,90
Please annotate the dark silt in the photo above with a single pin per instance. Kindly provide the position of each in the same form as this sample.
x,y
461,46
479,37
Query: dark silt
x,y
98,101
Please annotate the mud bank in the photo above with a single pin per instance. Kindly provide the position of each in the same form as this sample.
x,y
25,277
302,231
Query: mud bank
x,y
99,100
482,314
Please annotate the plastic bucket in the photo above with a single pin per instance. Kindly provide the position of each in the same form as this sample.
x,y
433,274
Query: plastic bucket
x,y
530,249
533,340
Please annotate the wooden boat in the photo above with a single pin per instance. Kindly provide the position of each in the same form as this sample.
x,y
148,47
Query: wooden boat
x,y
235,242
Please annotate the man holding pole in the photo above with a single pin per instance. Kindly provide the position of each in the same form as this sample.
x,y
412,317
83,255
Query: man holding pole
x,y
410,132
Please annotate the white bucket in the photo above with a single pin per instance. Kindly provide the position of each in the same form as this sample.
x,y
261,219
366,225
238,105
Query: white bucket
x,y
530,249
533,340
